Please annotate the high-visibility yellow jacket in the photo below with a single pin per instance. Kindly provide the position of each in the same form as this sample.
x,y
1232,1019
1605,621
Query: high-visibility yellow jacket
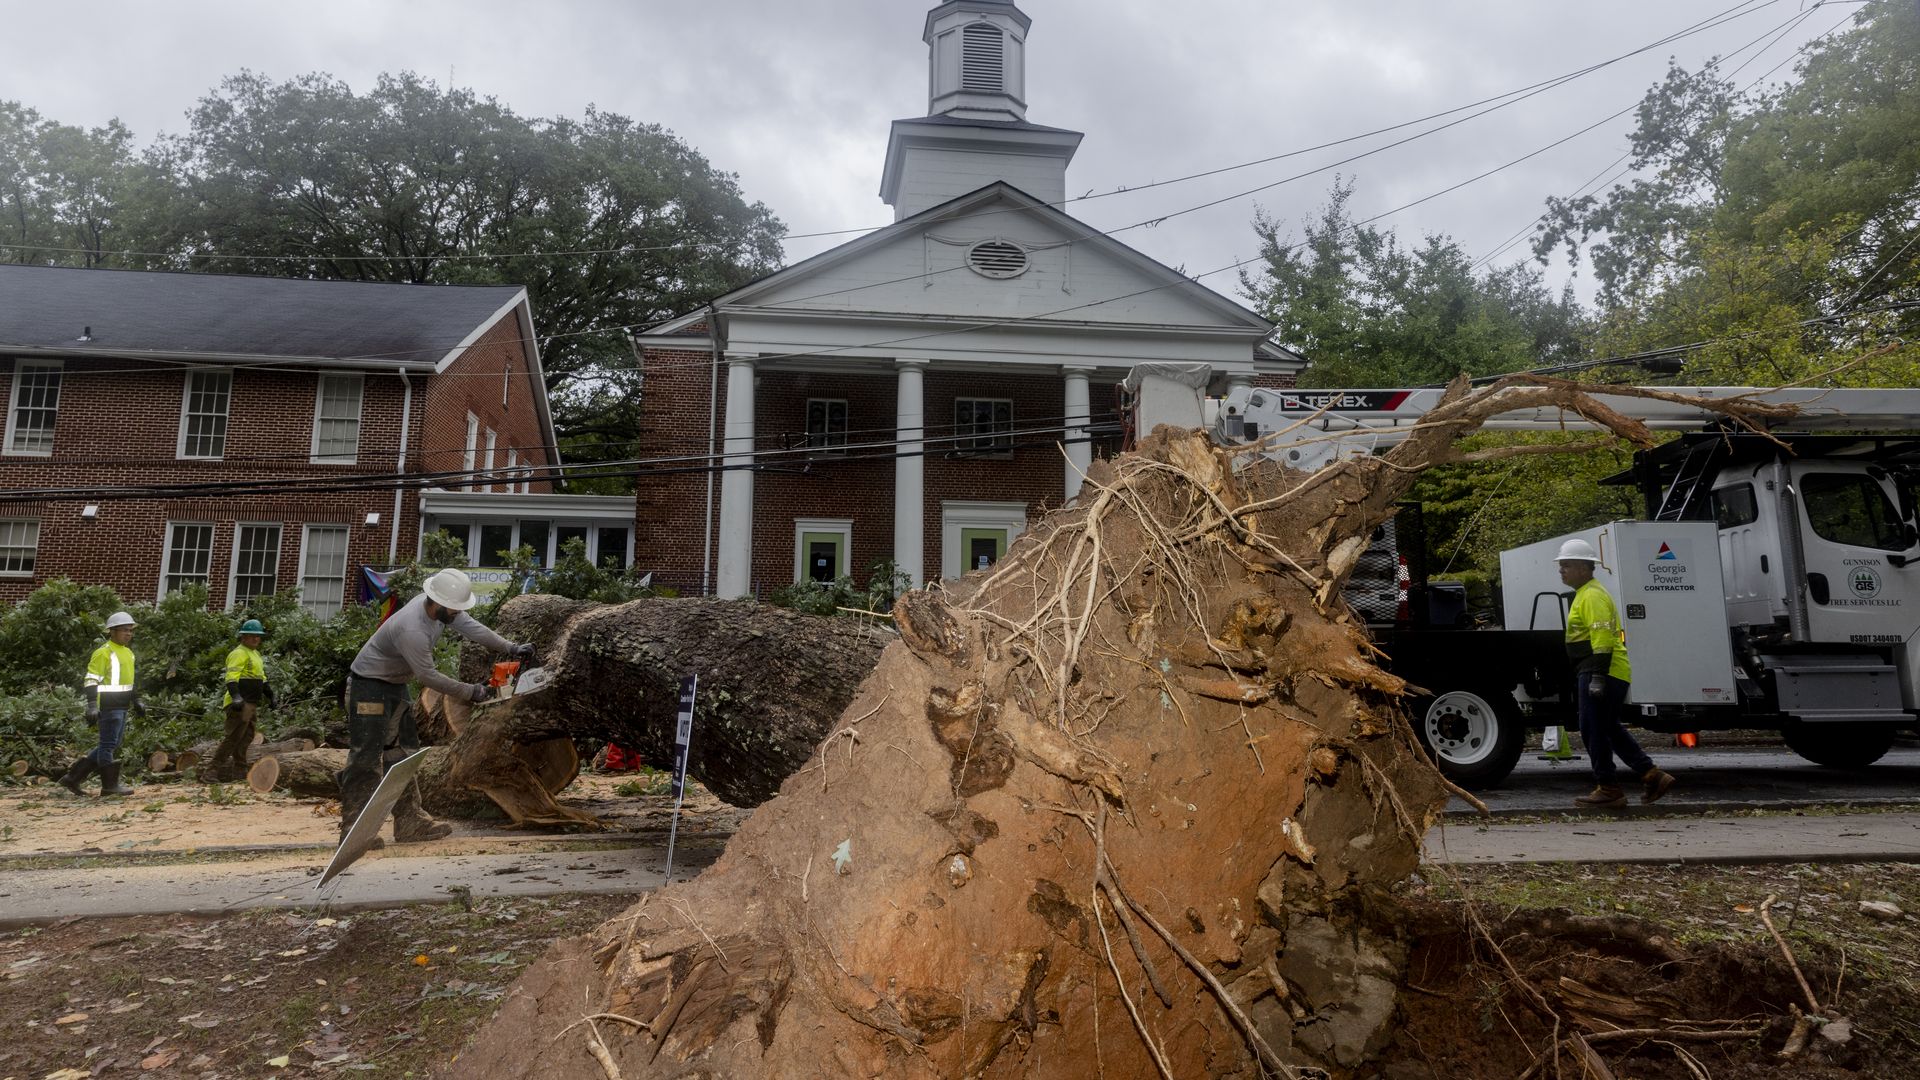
x,y
1595,639
110,675
246,675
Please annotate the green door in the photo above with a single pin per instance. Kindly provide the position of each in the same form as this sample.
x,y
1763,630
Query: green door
x,y
824,555
981,548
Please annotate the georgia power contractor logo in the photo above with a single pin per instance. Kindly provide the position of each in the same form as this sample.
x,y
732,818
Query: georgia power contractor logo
x,y
1666,573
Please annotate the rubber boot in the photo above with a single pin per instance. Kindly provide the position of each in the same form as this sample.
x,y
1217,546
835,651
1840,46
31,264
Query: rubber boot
x,y
77,776
1603,797
412,824
110,781
1655,783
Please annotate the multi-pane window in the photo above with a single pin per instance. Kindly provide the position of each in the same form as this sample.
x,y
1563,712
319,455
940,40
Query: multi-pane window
x,y
323,570
189,556
36,402
473,447
826,423
983,425
19,545
336,419
256,562
203,417
493,441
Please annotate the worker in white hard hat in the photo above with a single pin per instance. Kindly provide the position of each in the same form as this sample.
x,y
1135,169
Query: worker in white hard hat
x,y
380,725
111,694
1597,645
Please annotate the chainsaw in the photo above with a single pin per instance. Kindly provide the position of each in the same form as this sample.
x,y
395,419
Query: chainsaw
x,y
510,680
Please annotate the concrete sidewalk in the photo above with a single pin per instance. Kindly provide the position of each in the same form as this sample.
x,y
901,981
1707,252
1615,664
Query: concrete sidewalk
x,y
1889,837
28,897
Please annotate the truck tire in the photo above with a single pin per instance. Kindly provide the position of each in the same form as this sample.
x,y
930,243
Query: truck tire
x,y
1842,746
1475,734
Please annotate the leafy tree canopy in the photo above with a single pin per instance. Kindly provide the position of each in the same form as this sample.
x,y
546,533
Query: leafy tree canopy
x,y
1368,311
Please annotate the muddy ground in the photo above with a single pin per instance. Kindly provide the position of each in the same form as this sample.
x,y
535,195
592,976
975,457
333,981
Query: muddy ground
x,y
398,993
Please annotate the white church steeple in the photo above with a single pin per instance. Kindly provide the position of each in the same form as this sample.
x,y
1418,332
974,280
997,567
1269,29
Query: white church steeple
x,y
976,130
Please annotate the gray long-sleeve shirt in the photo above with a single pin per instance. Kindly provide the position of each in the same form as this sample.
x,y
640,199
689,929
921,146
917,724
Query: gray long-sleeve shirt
x,y
402,649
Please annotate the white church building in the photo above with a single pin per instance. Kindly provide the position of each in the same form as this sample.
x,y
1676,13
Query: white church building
x,y
916,395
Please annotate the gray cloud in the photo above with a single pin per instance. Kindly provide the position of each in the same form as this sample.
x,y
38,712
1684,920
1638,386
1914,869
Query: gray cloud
x,y
796,98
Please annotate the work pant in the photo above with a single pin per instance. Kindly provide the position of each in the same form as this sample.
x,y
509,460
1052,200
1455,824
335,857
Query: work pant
x,y
380,732
232,754
1603,733
113,728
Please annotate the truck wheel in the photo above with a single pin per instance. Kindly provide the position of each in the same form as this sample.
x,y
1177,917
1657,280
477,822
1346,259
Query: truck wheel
x,y
1475,735
1843,746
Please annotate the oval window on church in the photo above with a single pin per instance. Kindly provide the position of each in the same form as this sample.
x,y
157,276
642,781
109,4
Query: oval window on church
x,y
997,258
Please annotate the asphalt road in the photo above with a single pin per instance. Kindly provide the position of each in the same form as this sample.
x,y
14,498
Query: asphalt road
x,y
1712,780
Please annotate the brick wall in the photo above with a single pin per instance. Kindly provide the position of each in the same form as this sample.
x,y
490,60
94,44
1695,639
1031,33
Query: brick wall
x,y
493,368
117,427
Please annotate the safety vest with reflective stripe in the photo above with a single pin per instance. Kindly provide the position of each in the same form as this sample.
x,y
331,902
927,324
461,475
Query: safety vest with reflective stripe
x,y
243,663
111,671
1594,620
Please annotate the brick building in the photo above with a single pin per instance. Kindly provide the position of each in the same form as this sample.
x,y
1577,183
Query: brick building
x,y
920,393
124,389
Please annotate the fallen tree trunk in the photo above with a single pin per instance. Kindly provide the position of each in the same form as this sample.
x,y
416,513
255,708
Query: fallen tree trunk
x,y
310,774
772,683
1123,805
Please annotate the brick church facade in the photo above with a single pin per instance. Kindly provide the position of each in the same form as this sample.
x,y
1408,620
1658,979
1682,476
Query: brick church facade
x,y
919,394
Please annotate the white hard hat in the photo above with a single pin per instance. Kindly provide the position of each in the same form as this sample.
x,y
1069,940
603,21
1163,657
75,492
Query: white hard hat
x,y
119,619
1577,549
451,589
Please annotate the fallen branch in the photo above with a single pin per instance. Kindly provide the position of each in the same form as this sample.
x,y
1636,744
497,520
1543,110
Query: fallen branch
x,y
1813,1004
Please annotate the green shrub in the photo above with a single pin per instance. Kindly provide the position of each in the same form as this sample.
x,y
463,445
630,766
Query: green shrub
x,y
884,585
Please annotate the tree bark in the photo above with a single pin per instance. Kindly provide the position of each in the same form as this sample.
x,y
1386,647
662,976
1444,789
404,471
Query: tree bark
x,y
772,683
1122,805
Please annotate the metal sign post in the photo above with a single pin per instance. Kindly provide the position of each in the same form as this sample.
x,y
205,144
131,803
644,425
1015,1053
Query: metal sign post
x,y
682,736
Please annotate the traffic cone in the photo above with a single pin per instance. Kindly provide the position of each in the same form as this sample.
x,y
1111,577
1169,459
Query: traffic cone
x,y
1688,739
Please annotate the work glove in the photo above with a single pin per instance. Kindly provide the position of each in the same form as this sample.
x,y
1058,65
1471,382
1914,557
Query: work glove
x,y
139,710
522,652
479,692
267,693
93,716
1597,687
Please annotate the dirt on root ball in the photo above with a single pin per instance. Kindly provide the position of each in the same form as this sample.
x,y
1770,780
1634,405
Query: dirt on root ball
x,y
1463,1018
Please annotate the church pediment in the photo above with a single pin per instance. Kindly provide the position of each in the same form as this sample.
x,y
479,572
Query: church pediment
x,y
1000,254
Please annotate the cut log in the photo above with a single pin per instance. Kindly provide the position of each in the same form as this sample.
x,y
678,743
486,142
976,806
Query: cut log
x,y
203,751
772,684
553,763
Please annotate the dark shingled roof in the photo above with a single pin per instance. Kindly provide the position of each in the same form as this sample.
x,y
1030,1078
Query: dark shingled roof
x,y
135,312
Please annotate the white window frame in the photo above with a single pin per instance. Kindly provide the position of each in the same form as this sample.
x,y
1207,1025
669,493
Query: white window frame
x,y
473,447
233,563
493,442
346,560
21,367
359,414
826,443
993,436
186,399
33,555
956,517
166,551
803,526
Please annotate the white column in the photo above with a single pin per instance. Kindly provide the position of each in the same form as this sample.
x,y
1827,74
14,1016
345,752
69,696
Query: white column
x,y
736,484
1239,381
910,472
1078,412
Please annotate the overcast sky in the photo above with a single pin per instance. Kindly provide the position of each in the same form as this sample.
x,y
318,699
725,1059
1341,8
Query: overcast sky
x,y
796,98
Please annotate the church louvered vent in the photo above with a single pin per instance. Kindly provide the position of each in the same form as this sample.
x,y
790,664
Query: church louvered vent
x,y
982,59
997,258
